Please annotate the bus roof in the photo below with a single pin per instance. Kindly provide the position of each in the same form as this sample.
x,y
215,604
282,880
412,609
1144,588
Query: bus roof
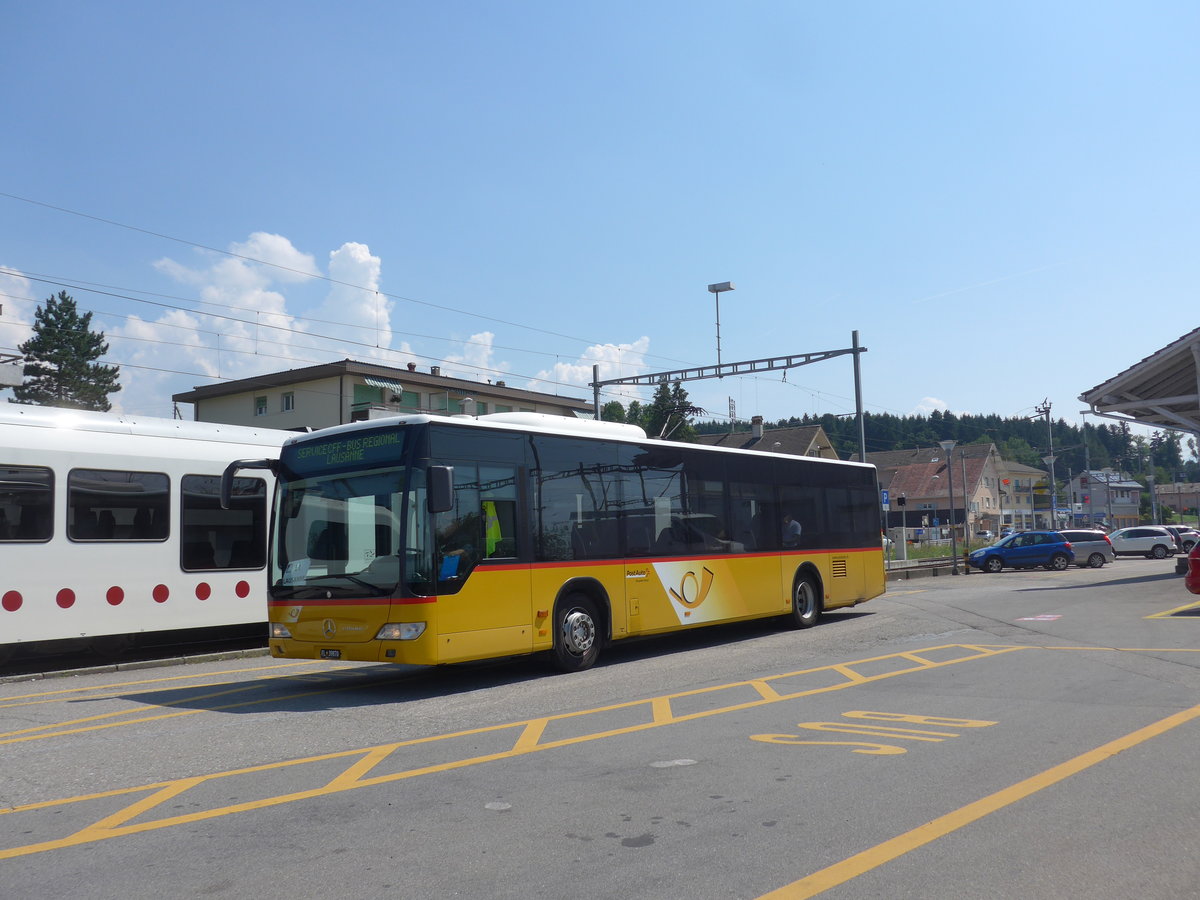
x,y
148,426
542,423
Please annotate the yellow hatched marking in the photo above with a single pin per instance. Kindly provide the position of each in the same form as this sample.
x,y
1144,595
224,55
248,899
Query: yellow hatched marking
x,y
101,829
68,694
530,735
1173,613
848,869
765,690
847,672
660,710
528,740
352,775
20,737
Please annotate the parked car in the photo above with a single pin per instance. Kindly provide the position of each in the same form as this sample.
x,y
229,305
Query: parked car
x,y
1192,579
1150,541
1025,550
1092,547
1185,538
984,535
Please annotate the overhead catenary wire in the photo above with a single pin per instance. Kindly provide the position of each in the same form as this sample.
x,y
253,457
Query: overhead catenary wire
x,y
293,270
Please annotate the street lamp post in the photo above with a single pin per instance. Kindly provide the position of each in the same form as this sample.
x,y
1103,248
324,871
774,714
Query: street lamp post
x,y
948,447
716,290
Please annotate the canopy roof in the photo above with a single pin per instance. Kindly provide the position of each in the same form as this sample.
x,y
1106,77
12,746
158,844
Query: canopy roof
x,y
1162,391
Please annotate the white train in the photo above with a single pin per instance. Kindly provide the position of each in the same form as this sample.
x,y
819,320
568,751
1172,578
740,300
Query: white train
x,y
111,527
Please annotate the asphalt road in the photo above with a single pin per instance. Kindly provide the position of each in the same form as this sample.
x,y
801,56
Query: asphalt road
x,y
1028,734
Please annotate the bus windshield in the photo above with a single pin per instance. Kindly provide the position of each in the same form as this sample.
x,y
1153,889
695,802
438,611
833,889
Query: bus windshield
x,y
338,518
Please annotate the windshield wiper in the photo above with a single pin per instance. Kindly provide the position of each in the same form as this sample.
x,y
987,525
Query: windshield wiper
x,y
361,582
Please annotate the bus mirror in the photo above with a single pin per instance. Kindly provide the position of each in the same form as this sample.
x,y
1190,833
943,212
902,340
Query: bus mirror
x,y
232,469
441,488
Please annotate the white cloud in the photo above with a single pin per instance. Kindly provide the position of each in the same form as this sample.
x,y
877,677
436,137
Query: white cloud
x,y
16,321
929,404
285,262
354,310
926,405
614,360
252,320
17,298
476,361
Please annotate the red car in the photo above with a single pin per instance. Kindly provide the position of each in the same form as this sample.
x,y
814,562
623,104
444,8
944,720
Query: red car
x,y
1192,579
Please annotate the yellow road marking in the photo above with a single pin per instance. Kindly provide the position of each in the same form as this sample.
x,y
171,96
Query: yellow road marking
x,y
847,869
18,737
529,738
1171,613
68,694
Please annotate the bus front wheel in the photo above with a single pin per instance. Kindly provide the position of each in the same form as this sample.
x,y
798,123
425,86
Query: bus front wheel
x,y
576,634
806,602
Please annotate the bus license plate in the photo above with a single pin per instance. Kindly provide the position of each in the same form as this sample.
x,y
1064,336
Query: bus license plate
x,y
331,654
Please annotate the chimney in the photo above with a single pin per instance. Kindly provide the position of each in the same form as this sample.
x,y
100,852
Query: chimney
x,y
412,367
500,384
756,428
435,370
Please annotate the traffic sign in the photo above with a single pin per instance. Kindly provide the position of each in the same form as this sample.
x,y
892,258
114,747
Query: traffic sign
x,y
884,495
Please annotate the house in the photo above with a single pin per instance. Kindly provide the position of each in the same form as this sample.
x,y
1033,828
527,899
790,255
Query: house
x,y
989,493
1105,497
1181,496
802,440
335,393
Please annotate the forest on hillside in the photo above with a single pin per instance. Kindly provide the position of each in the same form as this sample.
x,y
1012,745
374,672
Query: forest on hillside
x,y
1167,454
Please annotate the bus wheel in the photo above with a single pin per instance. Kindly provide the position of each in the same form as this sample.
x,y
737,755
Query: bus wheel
x,y
806,602
576,637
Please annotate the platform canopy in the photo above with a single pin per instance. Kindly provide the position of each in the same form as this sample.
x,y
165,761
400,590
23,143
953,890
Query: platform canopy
x,y
1161,391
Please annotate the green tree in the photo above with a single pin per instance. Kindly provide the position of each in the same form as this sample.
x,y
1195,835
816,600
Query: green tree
x,y
669,413
612,411
60,360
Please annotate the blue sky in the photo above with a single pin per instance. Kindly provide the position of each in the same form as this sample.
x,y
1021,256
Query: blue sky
x,y
1000,198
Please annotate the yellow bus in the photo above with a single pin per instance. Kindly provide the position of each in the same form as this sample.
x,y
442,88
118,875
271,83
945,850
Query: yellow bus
x,y
429,540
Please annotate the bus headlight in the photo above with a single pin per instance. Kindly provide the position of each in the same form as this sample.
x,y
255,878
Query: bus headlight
x,y
279,630
401,631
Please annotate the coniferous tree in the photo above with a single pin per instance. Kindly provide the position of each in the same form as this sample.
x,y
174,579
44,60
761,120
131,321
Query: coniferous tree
x,y
612,411
60,360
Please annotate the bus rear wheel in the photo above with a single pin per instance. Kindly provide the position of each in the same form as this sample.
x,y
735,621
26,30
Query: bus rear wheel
x,y
576,634
806,602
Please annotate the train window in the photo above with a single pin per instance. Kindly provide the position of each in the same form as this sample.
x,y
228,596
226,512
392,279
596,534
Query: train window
x,y
108,505
26,503
215,538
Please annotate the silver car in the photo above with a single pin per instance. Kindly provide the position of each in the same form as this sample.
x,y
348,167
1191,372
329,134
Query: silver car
x,y
1092,547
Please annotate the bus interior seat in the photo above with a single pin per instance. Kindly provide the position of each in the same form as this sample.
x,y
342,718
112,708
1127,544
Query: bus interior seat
x,y
327,540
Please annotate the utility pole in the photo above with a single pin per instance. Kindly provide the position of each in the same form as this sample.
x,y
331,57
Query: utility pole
x,y
1087,468
1044,410
962,458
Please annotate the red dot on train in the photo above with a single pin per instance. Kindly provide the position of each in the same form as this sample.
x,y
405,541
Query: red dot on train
x,y
11,601
65,598
203,591
114,596
160,593
242,589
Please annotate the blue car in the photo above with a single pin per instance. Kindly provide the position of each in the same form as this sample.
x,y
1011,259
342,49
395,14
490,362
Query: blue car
x,y
1025,550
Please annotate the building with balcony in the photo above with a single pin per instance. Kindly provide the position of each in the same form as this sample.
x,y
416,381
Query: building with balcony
x,y
347,391
1105,498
